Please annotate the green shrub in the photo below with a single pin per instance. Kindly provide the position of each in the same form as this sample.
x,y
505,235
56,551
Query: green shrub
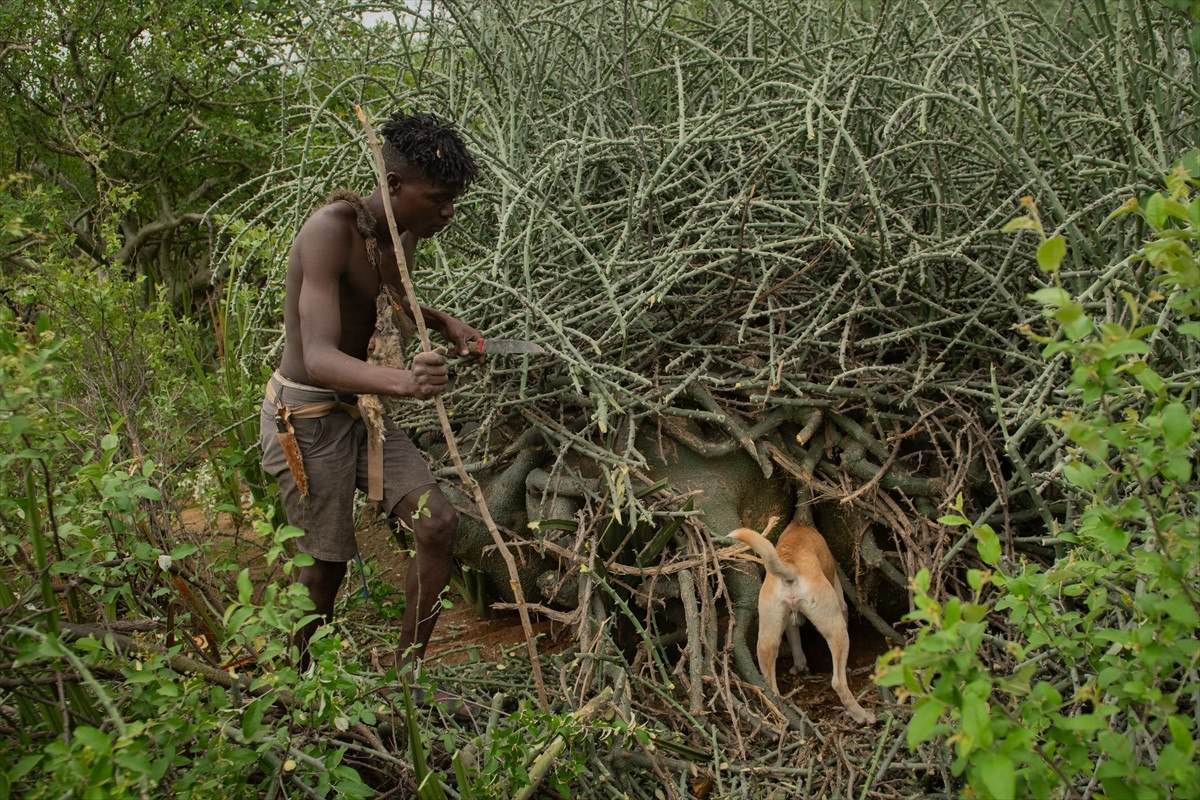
x,y
1080,678
93,712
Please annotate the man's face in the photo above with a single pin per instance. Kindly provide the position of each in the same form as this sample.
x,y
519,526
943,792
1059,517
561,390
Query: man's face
x,y
423,206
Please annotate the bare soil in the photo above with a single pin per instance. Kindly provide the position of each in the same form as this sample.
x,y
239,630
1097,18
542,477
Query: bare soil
x,y
464,636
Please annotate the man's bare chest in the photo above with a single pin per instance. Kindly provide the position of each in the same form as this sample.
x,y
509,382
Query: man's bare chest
x,y
362,284
364,277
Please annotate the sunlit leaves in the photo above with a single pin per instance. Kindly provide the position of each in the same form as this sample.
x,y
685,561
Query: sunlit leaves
x,y
1120,605
1050,253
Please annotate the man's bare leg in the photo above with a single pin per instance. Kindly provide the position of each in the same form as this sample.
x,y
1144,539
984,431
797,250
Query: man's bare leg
x,y
322,579
434,530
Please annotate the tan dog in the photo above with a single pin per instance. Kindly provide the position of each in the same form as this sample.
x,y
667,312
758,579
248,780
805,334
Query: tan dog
x,y
801,583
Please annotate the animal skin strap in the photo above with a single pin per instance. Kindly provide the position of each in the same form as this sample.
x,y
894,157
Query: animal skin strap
x,y
392,329
364,222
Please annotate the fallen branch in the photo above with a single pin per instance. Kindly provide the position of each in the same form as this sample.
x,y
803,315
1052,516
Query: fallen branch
x,y
542,764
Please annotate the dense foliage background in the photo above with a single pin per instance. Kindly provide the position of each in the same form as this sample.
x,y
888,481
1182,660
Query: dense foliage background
x,y
925,275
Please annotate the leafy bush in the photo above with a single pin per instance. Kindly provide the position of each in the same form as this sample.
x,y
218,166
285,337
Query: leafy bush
x,y
92,711
200,699
1080,678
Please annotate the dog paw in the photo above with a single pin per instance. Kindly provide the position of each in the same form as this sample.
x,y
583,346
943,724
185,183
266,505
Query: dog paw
x,y
798,669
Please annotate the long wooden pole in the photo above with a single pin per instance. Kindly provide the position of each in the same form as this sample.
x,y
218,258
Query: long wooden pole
x,y
451,444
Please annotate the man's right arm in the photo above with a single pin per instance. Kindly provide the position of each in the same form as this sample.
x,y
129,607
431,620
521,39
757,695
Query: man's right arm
x,y
323,248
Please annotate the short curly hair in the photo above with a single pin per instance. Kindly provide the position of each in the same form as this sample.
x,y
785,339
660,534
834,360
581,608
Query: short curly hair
x,y
418,143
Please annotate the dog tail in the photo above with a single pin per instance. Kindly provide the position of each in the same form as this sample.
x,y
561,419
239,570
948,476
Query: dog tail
x,y
766,551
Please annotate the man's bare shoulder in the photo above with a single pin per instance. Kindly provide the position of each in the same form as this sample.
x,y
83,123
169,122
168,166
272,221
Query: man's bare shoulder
x,y
336,220
327,238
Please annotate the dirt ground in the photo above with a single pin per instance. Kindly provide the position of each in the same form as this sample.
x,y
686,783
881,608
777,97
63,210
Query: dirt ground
x,y
464,636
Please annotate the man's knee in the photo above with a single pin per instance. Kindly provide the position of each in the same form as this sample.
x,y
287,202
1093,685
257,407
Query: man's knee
x,y
322,575
436,531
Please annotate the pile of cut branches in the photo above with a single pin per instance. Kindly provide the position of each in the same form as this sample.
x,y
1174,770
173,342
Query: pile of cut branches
x,y
766,236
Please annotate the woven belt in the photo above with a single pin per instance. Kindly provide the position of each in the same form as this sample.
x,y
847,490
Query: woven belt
x,y
284,415
314,410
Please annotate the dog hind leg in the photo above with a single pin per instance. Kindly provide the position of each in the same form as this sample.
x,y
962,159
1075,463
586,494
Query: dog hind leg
x,y
770,632
799,662
832,626
841,596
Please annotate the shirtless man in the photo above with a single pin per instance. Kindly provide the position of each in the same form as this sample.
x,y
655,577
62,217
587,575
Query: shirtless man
x,y
330,316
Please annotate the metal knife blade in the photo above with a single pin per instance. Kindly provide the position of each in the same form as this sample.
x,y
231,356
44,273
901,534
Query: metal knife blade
x,y
501,347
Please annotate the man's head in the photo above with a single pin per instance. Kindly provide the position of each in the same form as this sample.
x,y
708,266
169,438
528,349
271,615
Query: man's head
x,y
418,146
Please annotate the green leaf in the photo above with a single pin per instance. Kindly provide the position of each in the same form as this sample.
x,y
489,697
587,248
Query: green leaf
x,y
1191,159
460,776
1126,347
924,721
252,718
1177,425
1181,736
1117,786
1051,296
182,551
1149,380
1078,328
1180,609
137,763
1178,469
1080,475
23,767
997,774
1080,722
1021,224
1114,538
110,442
1050,253
975,579
93,739
286,532
988,543
349,784
1155,210
1191,329
1178,210
245,587
976,718
1069,313
1128,207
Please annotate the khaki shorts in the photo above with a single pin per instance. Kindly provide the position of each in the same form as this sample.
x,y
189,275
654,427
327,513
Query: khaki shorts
x,y
334,448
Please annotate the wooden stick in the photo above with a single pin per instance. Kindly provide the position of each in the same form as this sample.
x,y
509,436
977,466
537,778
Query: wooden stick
x,y
451,444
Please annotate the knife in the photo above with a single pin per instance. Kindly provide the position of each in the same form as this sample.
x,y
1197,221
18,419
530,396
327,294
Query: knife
x,y
492,347
504,347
